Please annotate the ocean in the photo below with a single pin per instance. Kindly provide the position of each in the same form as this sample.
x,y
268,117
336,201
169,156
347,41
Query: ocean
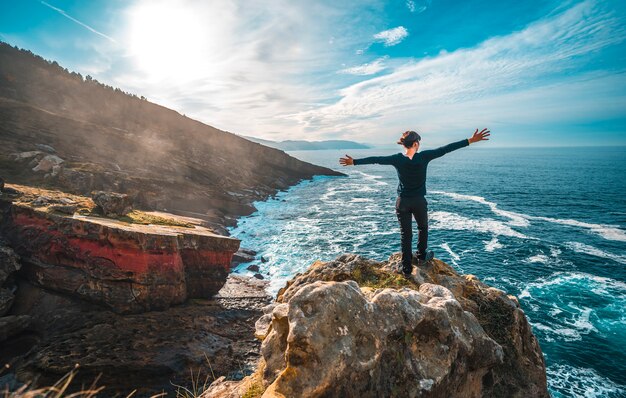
x,y
545,224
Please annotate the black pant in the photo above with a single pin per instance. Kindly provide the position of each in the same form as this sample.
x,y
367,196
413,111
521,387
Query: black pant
x,y
405,209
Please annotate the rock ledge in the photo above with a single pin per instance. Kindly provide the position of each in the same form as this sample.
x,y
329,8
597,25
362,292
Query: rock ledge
x,y
352,327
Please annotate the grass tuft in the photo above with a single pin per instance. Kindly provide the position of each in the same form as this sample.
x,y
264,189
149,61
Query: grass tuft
x,y
376,278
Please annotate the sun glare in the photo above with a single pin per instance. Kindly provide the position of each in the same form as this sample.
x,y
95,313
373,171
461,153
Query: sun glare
x,y
170,42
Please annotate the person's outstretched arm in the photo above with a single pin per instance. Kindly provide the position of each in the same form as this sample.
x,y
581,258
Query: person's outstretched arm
x,y
439,152
348,161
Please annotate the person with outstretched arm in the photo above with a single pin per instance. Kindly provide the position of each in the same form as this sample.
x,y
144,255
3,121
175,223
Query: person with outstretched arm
x,y
411,202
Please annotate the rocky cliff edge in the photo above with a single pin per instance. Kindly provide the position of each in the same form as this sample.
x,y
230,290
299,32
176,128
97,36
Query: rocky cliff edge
x,y
353,327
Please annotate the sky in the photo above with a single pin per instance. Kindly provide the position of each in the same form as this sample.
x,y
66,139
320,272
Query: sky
x,y
535,72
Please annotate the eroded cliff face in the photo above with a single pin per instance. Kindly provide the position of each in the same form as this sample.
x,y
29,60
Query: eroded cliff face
x,y
124,266
354,328
143,302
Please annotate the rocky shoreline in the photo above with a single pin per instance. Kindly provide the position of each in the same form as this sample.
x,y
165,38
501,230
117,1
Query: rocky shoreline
x,y
145,302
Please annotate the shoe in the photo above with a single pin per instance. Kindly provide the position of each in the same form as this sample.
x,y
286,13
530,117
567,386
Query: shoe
x,y
427,257
402,271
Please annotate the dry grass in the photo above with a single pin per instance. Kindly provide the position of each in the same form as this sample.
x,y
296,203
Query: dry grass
x,y
58,390
197,388
254,384
377,278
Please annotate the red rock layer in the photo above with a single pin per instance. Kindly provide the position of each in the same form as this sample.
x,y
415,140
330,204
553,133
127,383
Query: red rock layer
x,y
126,267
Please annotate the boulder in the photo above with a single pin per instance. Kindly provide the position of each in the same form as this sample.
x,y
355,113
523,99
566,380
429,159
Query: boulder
x,y
253,268
353,327
48,164
41,201
45,148
113,204
26,155
243,256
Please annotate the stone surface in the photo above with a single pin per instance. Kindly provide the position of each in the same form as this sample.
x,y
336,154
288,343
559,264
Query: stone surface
x,y
9,261
45,148
354,328
146,351
113,204
243,256
12,325
48,163
253,267
6,300
65,209
125,267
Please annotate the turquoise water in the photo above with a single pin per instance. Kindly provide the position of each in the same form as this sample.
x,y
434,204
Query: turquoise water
x,y
548,225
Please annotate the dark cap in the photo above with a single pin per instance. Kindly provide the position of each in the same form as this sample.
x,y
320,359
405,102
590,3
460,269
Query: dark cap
x,y
409,138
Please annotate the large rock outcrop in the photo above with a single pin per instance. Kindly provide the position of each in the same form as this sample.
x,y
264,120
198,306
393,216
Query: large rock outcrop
x,y
354,328
123,265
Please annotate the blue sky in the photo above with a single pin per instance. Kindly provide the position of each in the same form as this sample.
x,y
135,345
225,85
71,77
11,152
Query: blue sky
x,y
537,73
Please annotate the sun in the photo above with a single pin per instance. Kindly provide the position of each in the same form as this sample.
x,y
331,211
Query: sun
x,y
170,42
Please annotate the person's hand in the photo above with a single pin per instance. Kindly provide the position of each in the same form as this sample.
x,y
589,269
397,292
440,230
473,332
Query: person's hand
x,y
480,136
347,161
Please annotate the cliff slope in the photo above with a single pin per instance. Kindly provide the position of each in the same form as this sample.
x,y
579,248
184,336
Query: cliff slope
x,y
64,131
354,328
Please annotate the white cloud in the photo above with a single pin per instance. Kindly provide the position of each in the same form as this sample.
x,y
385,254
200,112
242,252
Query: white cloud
x,y
392,37
417,6
269,72
370,68
217,61
441,93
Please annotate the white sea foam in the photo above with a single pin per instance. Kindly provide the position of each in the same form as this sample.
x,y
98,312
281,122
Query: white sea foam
x,y
606,231
582,321
594,251
515,219
569,381
361,200
492,245
577,279
555,252
452,221
563,333
570,315
539,258
446,247
373,178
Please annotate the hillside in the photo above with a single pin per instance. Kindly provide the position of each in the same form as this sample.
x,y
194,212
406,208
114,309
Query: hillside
x,y
302,145
60,130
